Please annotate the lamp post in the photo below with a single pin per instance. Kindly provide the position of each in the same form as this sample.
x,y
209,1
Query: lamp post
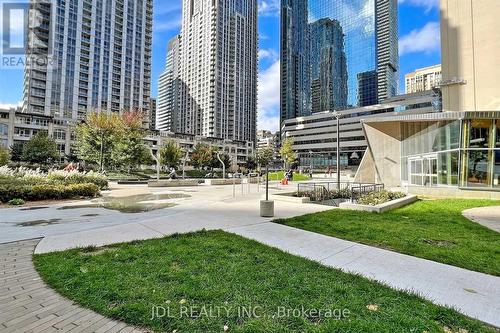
x,y
223,166
337,116
186,157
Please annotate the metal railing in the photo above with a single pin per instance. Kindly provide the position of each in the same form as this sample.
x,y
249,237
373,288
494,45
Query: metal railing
x,y
327,191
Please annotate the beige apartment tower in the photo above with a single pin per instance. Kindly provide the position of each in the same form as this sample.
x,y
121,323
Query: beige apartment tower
x,y
423,79
470,45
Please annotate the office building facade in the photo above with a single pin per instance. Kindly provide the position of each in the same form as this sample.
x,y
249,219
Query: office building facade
x,y
328,66
90,56
315,136
423,79
295,60
218,71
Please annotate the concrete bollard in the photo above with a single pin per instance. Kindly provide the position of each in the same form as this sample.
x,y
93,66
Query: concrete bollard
x,y
267,208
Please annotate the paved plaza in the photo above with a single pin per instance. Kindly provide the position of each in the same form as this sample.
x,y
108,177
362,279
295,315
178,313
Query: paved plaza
x,y
236,210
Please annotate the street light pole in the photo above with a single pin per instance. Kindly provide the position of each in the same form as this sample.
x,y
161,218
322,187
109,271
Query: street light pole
x,y
337,115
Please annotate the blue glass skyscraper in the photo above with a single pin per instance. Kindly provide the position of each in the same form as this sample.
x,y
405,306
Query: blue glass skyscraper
x,y
328,66
371,41
370,29
295,60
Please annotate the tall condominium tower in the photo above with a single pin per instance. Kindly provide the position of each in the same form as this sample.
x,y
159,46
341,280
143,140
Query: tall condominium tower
x,y
218,69
167,115
386,25
295,60
328,66
97,56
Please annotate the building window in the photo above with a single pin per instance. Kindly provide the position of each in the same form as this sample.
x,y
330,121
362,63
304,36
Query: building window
x,y
4,129
480,133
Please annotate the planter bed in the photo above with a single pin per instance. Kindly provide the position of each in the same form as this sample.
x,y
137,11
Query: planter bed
x,y
382,208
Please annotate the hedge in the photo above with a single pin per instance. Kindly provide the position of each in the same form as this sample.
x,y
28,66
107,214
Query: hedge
x,y
378,198
47,192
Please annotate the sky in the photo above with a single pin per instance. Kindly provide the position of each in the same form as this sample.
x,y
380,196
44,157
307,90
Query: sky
x,y
419,46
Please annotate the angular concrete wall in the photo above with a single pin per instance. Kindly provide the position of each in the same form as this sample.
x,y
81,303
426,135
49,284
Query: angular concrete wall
x,y
384,140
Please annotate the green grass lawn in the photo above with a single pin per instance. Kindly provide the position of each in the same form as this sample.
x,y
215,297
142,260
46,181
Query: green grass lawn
x,y
224,273
434,230
297,177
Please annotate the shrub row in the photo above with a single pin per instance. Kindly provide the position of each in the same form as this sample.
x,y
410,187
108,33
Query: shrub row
x,y
378,198
9,192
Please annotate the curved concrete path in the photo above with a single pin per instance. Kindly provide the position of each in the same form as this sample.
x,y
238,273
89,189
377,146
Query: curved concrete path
x,y
486,216
28,305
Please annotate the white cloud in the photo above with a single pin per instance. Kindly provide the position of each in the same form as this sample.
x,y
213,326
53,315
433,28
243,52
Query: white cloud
x,y
269,7
427,4
424,40
10,106
268,54
174,24
269,98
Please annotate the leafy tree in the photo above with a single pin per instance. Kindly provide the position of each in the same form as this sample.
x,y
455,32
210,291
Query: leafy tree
x,y
265,156
171,154
41,149
16,151
251,163
97,136
202,156
129,150
4,156
287,153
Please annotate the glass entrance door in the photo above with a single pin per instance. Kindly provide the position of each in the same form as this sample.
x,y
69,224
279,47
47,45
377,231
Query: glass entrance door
x,y
423,170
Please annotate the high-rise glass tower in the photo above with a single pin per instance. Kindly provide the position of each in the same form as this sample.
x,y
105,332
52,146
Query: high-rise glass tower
x,y
218,69
97,57
386,23
370,29
167,115
328,66
295,60
371,40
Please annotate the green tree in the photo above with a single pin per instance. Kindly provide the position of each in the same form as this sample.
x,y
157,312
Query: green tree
x,y
202,156
287,153
97,136
41,149
129,150
4,156
251,163
16,151
265,156
171,154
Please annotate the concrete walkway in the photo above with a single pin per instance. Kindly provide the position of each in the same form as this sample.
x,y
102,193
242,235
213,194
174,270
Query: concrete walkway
x,y
487,216
28,305
211,208
474,294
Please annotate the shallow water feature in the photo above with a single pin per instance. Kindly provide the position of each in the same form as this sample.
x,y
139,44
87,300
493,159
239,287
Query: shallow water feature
x,y
40,223
132,204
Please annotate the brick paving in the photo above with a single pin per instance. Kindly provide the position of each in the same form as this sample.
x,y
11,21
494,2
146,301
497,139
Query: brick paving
x,y
28,305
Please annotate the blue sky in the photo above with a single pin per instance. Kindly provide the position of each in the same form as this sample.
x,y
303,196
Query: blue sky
x,y
419,47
